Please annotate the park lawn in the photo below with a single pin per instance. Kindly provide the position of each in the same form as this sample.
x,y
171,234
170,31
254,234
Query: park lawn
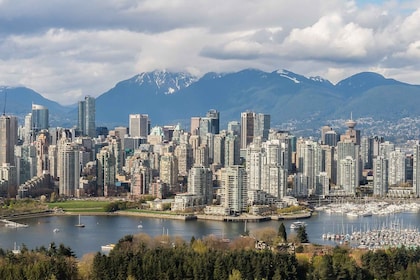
x,y
80,205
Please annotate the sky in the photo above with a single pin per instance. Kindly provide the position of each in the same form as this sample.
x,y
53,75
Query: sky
x,y
66,50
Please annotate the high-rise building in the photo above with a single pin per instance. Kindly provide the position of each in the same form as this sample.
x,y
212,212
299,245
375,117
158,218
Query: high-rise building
x,y
380,176
346,149
219,149
139,125
69,168
331,138
8,179
106,169
234,127
214,117
40,119
195,125
8,139
309,161
351,134
25,158
247,129
232,151
41,145
86,118
141,177
322,184
234,183
168,172
349,175
200,183
416,169
324,130
184,154
254,125
396,167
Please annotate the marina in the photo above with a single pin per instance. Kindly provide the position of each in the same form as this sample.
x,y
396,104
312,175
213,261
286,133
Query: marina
x,y
101,230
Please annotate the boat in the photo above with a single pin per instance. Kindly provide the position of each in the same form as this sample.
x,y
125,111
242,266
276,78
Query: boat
x,y
56,230
107,248
79,224
297,224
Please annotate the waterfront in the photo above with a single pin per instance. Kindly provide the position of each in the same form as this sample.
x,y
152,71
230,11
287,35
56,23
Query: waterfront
x,y
101,230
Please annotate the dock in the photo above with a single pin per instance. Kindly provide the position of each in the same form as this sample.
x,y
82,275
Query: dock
x,y
11,224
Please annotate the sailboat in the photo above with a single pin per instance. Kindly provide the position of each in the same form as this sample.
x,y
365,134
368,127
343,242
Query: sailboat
x,y
79,224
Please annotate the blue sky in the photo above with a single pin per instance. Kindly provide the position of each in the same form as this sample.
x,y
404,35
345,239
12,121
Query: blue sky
x,y
68,49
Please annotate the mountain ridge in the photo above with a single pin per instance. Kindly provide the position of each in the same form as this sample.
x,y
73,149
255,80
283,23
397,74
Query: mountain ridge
x,y
172,97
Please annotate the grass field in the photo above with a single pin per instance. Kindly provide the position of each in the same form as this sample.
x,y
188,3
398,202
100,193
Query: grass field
x,y
80,205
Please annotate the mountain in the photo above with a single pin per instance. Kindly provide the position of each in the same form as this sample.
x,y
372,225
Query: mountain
x,y
285,95
294,101
146,93
18,101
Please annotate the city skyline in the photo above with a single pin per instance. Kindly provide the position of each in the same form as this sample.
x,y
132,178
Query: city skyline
x,y
66,52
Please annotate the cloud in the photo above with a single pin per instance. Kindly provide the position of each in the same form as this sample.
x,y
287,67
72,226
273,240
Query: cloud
x,y
68,49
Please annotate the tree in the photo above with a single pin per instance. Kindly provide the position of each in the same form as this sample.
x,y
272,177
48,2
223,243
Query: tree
x,y
282,233
302,235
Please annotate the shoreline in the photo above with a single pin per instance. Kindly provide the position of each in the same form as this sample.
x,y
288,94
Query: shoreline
x,y
185,217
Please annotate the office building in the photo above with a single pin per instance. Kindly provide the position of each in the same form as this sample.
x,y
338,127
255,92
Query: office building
x,y
8,139
40,119
254,125
214,120
195,125
138,125
87,117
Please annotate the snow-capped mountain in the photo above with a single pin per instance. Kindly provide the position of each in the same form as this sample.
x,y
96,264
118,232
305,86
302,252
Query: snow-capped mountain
x,y
165,82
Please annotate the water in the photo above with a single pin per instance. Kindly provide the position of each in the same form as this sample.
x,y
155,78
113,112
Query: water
x,y
101,230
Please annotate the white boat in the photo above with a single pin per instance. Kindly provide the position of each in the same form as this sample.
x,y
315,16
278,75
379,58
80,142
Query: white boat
x,y
107,248
56,230
297,224
79,224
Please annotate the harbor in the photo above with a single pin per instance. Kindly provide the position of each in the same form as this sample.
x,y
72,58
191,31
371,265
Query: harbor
x,y
384,230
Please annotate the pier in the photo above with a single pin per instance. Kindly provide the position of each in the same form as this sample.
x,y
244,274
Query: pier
x,y
11,224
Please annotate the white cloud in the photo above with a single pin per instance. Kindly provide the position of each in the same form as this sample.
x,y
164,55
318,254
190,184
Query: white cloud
x,y
66,50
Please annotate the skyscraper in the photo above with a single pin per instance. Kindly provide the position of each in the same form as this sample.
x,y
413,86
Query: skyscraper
x,y
214,117
40,119
234,182
254,125
380,176
69,169
416,169
8,139
139,125
351,134
200,183
86,120
247,128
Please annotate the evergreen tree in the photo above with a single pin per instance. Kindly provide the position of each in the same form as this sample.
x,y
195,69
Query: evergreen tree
x,y
282,233
302,235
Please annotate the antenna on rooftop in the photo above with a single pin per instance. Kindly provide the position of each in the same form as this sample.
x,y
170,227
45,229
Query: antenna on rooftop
x,y
5,99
